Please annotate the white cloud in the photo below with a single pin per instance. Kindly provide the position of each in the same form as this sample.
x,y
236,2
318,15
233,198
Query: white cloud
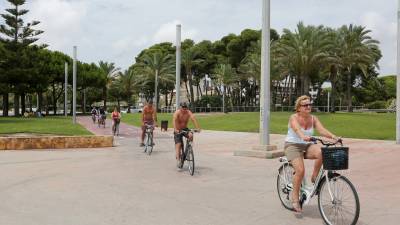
x,y
167,32
60,19
383,29
117,30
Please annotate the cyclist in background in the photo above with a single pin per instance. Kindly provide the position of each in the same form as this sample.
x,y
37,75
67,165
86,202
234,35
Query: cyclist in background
x,y
149,117
298,146
94,114
116,117
102,114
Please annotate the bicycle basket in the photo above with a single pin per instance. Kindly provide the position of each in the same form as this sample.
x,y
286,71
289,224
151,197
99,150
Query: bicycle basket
x,y
335,158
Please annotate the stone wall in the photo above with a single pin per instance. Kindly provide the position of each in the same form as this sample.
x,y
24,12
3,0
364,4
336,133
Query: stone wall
x,y
55,142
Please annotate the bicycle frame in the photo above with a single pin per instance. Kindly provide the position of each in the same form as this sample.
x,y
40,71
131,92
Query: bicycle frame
x,y
184,147
149,129
188,143
321,175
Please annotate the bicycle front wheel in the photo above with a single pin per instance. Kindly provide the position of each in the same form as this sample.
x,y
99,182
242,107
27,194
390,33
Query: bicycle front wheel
x,y
284,185
343,207
190,159
149,143
146,143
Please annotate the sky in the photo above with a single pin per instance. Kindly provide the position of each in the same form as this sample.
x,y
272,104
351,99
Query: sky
x,y
117,30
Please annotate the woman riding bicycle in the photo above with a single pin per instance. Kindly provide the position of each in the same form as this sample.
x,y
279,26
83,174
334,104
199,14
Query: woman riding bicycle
x,y
298,146
116,117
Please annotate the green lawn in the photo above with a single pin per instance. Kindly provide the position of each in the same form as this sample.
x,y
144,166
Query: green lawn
x,y
48,125
354,125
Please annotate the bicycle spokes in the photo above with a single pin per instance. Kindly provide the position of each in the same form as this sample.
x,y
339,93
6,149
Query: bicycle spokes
x,y
338,201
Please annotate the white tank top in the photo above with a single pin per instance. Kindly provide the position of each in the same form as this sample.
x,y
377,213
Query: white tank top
x,y
292,137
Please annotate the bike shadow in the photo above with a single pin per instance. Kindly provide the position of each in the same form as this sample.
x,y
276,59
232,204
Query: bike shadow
x,y
202,170
312,211
309,211
199,170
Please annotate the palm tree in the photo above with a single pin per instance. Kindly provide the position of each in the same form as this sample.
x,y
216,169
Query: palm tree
x,y
250,68
302,53
157,66
127,84
108,72
226,77
190,58
355,49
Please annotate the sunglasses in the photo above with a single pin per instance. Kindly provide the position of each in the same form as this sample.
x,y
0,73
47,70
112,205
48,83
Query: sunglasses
x,y
307,105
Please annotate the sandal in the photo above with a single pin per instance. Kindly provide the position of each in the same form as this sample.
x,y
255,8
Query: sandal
x,y
296,207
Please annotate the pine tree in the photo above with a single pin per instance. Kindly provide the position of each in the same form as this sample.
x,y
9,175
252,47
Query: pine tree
x,y
16,37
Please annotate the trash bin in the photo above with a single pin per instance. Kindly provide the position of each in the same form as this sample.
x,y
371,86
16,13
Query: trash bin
x,y
164,125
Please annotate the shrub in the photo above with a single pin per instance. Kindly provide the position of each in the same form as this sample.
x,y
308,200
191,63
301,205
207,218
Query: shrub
x,y
214,101
376,105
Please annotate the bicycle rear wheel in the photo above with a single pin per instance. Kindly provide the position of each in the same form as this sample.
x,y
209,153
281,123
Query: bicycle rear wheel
x,y
190,159
344,208
285,186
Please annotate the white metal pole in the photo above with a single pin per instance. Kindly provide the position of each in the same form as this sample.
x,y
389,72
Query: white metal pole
x,y
223,98
74,87
329,96
37,103
178,66
66,90
398,77
265,74
156,91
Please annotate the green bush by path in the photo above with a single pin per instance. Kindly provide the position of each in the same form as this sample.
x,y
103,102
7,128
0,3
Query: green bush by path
x,y
47,125
351,125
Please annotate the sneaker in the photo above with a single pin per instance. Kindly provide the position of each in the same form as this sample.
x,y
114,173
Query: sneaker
x,y
178,163
141,145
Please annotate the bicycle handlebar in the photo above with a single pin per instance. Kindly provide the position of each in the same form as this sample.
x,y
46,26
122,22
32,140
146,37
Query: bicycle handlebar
x,y
189,130
326,143
149,126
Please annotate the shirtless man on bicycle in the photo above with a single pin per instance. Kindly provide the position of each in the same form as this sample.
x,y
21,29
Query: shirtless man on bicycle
x,y
180,122
149,117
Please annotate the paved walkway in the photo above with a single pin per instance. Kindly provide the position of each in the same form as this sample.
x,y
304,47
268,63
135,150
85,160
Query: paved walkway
x,y
122,185
125,129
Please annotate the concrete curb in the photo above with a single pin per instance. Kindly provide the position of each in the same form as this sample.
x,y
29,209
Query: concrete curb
x,y
259,154
55,142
